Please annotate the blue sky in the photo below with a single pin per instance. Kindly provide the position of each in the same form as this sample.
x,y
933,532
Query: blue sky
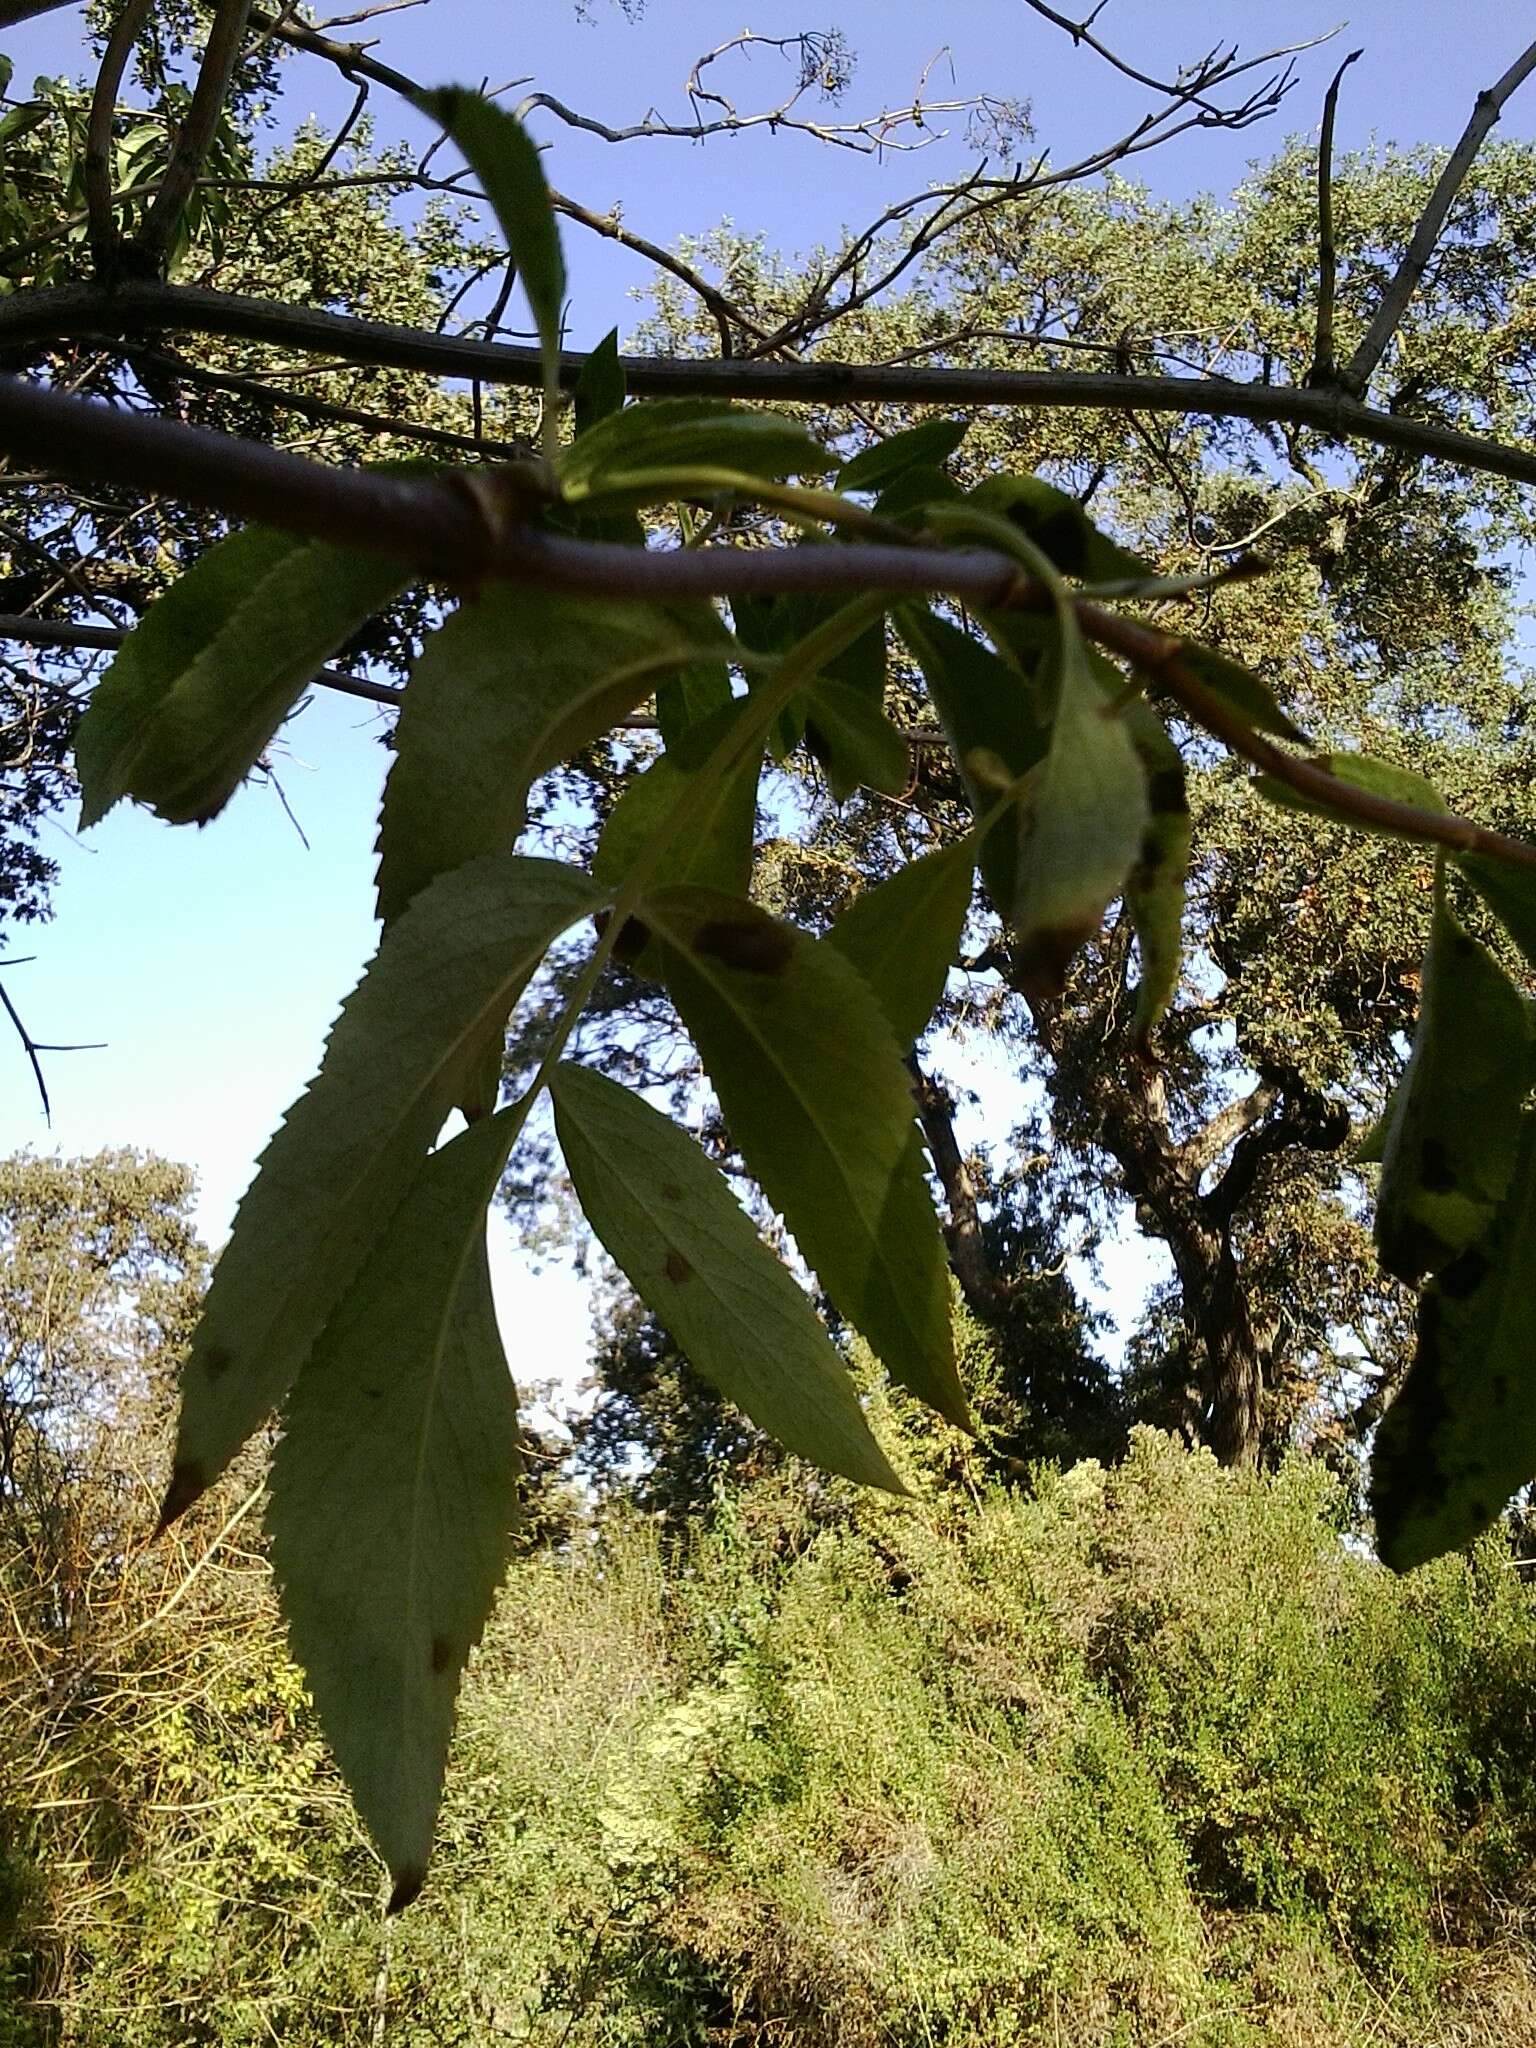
x,y
213,962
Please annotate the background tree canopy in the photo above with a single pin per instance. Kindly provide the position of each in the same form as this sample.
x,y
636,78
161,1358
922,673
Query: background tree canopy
x,y
1116,708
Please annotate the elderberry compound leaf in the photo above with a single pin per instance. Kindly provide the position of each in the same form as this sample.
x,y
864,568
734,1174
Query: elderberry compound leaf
x,y
1086,816
811,1081
505,158
672,1225
904,935
985,707
513,682
394,1496
927,446
663,434
1452,1128
446,973
1459,1439
197,690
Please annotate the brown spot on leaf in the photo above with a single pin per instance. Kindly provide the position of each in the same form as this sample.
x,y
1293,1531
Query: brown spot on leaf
x,y
1435,1168
752,947
1040,962
671,1192
677,1268
217,1360
442,1653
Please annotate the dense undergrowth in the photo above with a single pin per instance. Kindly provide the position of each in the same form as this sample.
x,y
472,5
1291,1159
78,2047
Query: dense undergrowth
x,y
1141,1757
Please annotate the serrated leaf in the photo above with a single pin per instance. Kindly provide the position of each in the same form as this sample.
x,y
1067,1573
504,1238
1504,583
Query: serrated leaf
x,y
196,692
1460,1438
1509,892
812,1085
1240,689
686,433
1059,526
853,740
1087,815
515,681
672,1225
1156,886
505,158
984,706
927,446
715,850
600,387
686,700
1453,1125
445,975
773,626
904,935
394,1495
1360,771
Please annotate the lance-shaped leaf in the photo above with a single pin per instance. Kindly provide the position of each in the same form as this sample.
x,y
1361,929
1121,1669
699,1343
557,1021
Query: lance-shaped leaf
x,y
904,935
504,157
1087,817
1460,1437
600,387
394,1495
1155,887
927,446
686,700
1509,892
1359,771
687,433
813,1088
1453,1125
672,1225
515,681
197,691
984,706
1059,526
343,1159
1240,689
853,740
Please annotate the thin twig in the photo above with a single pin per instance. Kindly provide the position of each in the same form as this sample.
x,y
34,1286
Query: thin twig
x,y
1324,369
1394,300
105,639
33,1047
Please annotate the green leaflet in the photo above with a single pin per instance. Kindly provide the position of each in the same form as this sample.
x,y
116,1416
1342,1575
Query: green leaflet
x,y
1460,1438
394,1494
1059,527
504,157
511,684
814,1091
672,1224
1360,771
198,689
904,935
906,498
1509,892
984,706
853,740
340,1164
686,700
1240,689
1453,1125
775,626
600,387
925,447
687,433
717,847
1155,887
1087,818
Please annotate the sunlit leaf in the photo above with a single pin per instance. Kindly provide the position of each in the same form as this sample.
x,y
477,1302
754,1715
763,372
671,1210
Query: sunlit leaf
x,y
515,681
345,1156
811,1081
1155,887
687,433
1453,1124
1239,689
904,934
196,692
1460,1437
1359,771
1510,892
394,1495
674,1228
925,447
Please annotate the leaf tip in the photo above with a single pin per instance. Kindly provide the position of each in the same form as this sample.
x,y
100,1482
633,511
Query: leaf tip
x,y
408,1883
187,1483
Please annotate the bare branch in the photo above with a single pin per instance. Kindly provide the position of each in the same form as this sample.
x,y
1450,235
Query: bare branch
x,y
1206,1146
96,164
105,639
1394,303
351,59
76,312
220,56
1324,370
